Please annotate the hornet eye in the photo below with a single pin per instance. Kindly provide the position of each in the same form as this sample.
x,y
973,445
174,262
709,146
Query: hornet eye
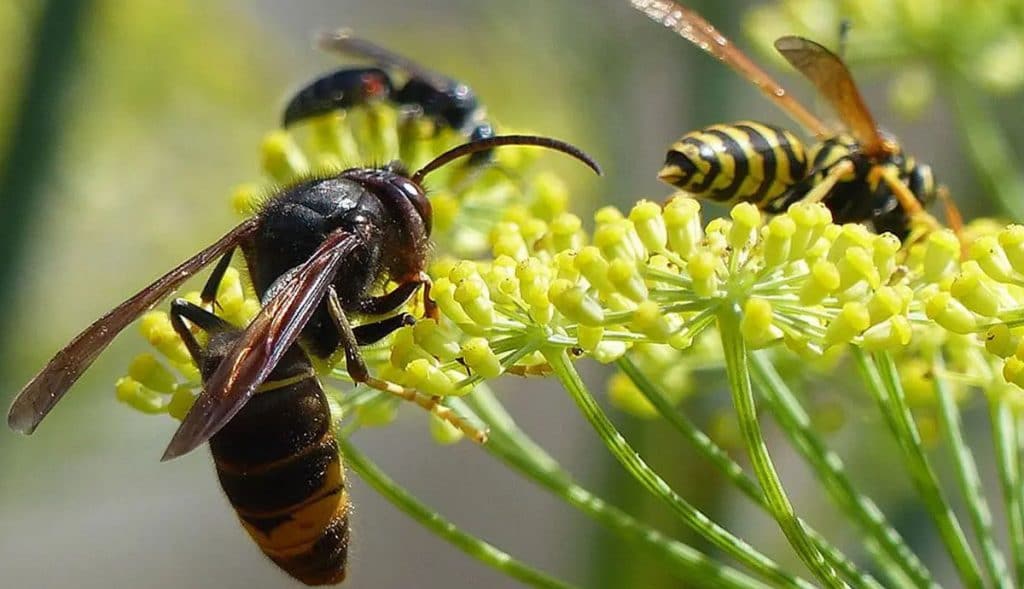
x,y
419,200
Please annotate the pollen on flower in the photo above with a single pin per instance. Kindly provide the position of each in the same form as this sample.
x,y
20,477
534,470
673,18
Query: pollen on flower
x,y
658,275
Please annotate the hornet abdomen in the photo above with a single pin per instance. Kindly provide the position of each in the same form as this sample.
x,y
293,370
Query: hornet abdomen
x,y
278,463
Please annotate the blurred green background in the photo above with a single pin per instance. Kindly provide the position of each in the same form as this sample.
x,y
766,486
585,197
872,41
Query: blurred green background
x,y
126,125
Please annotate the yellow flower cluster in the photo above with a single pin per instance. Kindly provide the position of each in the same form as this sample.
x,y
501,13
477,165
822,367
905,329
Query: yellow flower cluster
x,y
649,283
655,279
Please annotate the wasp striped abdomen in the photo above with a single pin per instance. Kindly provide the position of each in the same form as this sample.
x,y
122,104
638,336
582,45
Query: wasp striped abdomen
x,y
278,463
862,195
738,162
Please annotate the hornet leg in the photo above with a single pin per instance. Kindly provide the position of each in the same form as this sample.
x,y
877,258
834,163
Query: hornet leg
x,y
209,294
371,333
359,372
205,320
393,300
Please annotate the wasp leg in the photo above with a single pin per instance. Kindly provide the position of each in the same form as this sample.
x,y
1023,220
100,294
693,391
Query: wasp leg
x,y
209,294
390,301
205,320
356,367
430,310
906,198
953,217
821,189
371,333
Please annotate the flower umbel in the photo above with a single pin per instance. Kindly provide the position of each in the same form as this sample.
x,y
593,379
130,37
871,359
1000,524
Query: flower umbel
x,y
663,293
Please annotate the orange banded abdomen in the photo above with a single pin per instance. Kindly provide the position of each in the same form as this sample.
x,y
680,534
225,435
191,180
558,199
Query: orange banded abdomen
x,y
279,466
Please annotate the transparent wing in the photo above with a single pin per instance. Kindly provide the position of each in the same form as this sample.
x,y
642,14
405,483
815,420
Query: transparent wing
x,y
343,41
835,84
50,385
692,27
255,354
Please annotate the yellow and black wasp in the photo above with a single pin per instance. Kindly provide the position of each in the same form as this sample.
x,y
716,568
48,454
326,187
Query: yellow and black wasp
x,y
862,175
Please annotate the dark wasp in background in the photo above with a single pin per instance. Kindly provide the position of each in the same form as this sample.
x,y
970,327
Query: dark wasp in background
x,y
446,102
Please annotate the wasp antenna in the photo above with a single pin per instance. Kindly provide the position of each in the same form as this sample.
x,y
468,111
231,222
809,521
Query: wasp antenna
x,y
492,142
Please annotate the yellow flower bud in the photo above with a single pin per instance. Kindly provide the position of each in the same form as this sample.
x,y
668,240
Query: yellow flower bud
x,y
432,338
823,280
890,334
702,267
282,159
778,238
551,196
246,199
480,358
746,220
428,378
443,431
941,255
1012,241
1001,341
573,302
140,398
649,320
950,313
147,371
650,225
851,321
991,258
588,337
975,291
624,276
622,393
682,224
756,323
181,403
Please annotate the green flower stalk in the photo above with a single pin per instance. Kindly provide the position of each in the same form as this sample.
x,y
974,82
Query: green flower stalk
x,y
523,287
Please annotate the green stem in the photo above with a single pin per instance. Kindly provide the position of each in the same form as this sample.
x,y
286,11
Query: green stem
x,y
880,377
894,556
436,523
37,124
639,470
733,471
513,447
969,480
990,152
735,351
1004,438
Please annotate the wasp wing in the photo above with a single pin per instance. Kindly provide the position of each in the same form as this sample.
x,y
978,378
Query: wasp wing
x,y
343,41
255,354
834,82
50,385
692,27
